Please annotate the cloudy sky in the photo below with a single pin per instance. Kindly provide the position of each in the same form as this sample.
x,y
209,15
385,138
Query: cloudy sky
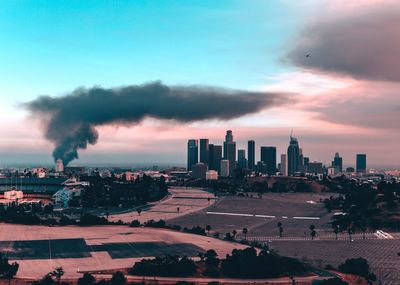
x,y
342,98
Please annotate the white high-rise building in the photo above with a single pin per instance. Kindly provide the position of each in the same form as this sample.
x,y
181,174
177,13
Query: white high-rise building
x,y
224,168
59,166
284,165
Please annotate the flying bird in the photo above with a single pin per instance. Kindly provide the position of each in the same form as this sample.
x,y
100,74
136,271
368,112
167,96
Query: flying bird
x,y
308,55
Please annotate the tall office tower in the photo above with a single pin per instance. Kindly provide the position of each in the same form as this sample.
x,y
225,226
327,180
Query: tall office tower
x,y
301,157
192,153
293,156
361,163
268,156
306,160
204,151
337,162
230,151
59,166
215,156
284,170
251,154
242,161
225,168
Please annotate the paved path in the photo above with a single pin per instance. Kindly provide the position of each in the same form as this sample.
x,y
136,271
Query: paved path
x,y
188,200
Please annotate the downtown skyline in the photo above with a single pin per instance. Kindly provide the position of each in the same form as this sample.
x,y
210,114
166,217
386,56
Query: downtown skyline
x,y
337,100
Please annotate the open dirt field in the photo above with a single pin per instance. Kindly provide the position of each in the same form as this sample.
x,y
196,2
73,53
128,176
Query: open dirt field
x,y
39,249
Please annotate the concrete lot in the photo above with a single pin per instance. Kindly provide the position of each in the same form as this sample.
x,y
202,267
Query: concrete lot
x,y
40,249
296,211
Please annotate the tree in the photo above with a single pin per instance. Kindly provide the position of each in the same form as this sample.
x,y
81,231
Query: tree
x,y
139,211
208,229
86,279
57,274
245,231
118,278
336,231
7,270
357,266
234,233
313,232
350,231
280,227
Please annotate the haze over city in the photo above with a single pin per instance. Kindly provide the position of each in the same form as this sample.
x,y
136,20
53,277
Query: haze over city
x,y
324,69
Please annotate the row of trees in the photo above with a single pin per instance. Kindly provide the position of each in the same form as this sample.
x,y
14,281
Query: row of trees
x,y
246,263
113,192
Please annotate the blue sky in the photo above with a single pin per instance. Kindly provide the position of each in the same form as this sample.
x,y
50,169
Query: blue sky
x,y
50,47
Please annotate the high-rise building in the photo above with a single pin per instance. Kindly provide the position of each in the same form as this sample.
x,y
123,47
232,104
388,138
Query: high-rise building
x,y
242,161
199,170
315,167
215,156
301,157
230,151
225,168
268,156
192,153
59,166
204,151
251,154
337,162
361,163
284,170
293,156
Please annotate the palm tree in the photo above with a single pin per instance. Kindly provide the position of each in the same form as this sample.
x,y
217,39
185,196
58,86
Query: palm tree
x,y
336,231
350,231
313,232
139,211
208,229
245,231
57,274
280,227
234,233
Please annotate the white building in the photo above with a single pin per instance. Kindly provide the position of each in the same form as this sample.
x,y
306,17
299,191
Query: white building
x,y
59,166
224,168
332,171
211,175
13,195
284,165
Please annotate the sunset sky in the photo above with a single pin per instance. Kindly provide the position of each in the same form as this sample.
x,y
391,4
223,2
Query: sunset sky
x,y
343,98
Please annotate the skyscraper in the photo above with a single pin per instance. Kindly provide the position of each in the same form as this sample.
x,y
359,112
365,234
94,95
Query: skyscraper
x,y
242,161
293,156
225,168
361,163
284,168
230,151
59,166
251,154
268,156
215,156
192,153
337,162
204,149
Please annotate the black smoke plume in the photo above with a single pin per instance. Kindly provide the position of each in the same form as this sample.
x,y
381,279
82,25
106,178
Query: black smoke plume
x,y
71,120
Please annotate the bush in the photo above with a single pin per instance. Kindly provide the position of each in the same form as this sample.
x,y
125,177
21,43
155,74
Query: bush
x,y
135,224
357,266
247,264
165,266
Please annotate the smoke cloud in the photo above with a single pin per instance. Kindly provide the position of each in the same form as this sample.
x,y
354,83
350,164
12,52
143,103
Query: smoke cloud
x,y
363,44
71,120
